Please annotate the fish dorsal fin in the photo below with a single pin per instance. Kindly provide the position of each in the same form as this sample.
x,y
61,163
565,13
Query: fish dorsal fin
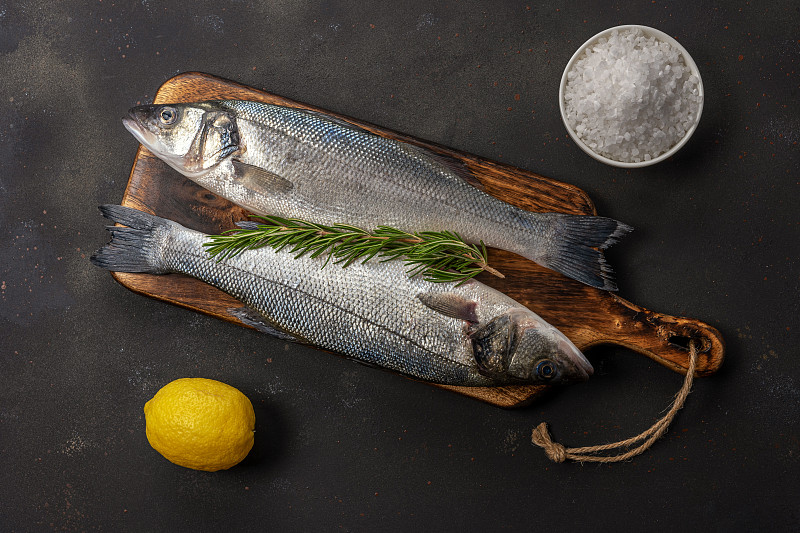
x,y
253,318
335,120
451,304
492,345
448,164
257,178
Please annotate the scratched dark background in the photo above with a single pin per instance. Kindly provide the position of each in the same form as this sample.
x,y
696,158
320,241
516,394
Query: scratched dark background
x,y
340,446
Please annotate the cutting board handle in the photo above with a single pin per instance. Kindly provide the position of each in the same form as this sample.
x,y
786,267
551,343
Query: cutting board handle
x,y
666,339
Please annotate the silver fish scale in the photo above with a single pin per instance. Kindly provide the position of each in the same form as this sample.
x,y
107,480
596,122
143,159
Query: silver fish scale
x,y
369,312
336,168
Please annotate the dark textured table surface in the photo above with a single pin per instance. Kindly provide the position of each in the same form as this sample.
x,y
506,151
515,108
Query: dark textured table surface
x,y
344,446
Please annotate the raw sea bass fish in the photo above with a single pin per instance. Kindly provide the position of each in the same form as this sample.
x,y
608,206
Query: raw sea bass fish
x,y
373,312
275,160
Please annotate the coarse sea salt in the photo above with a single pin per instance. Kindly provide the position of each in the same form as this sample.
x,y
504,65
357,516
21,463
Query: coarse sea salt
x,y
630,97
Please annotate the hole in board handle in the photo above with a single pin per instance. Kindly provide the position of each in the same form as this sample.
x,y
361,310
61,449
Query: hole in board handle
x,y
682,342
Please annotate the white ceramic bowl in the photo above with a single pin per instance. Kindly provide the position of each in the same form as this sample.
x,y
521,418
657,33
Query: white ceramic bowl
x,y
650,32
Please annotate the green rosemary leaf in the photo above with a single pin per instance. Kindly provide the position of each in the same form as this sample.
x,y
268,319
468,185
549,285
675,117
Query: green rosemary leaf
x,y
437,256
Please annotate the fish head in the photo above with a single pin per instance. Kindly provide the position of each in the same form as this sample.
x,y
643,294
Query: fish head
x,y
520,347
191,138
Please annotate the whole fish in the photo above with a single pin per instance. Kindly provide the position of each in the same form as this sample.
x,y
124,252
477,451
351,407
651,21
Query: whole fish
x,y
459,335
275,160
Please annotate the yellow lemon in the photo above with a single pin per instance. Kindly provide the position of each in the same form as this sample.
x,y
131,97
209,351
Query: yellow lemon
x,y
200,423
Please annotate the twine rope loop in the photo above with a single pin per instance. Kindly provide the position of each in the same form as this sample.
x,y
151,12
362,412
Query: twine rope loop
x,y
558,453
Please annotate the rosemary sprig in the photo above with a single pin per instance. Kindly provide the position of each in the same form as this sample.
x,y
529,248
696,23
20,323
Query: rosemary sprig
x,y
438,256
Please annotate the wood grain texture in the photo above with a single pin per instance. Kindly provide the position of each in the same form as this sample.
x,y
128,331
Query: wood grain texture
x,y
586,315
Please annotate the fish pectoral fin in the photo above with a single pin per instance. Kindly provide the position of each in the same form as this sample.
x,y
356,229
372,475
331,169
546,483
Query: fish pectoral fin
x,y
492,345
451,304
257,178
254,319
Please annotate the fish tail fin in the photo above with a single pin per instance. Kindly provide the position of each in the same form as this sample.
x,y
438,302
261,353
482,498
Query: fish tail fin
x,y
134,248
576,244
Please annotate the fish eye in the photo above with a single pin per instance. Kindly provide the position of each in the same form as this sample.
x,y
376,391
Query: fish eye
x,y
546,369
167,115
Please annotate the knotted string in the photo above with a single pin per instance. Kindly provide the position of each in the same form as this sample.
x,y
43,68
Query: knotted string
x,y
558,453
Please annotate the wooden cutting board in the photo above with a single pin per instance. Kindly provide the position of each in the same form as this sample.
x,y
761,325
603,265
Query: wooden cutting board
x,y
586,315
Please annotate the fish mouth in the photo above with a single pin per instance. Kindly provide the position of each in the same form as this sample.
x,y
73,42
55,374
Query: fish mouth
x,y
582,368
134,124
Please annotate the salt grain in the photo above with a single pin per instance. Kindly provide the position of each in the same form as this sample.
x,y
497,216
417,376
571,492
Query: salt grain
x,y
631,97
